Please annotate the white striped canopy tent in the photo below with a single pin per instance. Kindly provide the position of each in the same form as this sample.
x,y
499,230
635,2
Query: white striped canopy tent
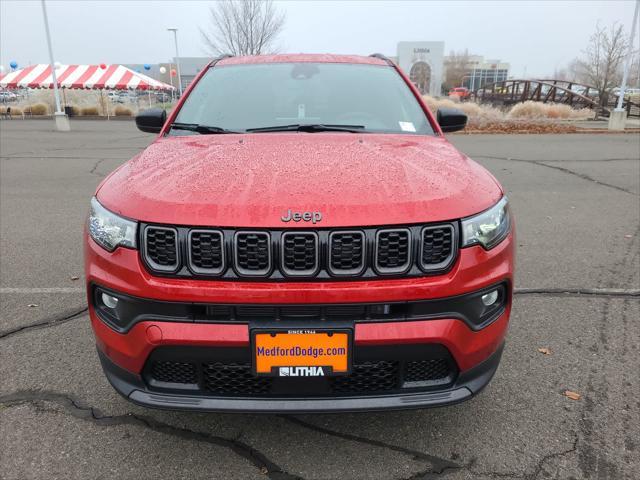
x,y
88,77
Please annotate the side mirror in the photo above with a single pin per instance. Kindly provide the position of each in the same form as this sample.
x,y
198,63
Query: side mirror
x,y
152,120
451,119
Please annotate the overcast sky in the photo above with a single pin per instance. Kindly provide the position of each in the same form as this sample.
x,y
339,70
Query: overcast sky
x,y
539,35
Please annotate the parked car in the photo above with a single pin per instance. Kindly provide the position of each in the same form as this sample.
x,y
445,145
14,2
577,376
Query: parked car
x,y
8,96
126,96
628,92
462,92
300,237
162,97
114,96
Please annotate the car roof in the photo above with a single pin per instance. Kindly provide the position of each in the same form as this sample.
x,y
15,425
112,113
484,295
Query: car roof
x,y
303,58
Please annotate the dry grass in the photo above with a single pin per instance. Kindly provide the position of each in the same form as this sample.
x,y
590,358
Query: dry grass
x,y
74,110
536,110
89,111
81,99
121,111
521,126
39,109
480,115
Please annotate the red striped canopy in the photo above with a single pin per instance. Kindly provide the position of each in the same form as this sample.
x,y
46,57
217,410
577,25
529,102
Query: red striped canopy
x,y
113,77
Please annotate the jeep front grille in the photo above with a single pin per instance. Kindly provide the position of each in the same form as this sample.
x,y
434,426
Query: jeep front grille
x,y
320,254
436,245
299,253
252,253
206,252
347,252
161,248
393,250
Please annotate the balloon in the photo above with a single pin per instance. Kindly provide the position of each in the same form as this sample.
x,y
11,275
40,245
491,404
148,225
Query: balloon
x,y
147,66
173,72
103,66
163,70
57,65
13,64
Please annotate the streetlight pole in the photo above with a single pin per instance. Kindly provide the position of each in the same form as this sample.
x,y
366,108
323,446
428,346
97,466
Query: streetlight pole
x,y
173,90
62,121
175,39
627,64
618,118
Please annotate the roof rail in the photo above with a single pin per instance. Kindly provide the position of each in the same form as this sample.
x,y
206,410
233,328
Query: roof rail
x,y
222,57
217,59
381,57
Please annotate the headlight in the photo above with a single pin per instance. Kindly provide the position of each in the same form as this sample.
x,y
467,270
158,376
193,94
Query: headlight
x,y
109,230
487,228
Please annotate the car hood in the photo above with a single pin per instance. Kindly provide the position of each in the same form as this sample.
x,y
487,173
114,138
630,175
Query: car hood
x,y
253,180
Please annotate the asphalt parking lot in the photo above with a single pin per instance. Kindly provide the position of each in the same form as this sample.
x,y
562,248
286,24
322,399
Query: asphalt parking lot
x,y
577,203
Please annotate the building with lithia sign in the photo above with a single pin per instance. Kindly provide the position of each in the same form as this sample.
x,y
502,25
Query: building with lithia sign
x,y
423,62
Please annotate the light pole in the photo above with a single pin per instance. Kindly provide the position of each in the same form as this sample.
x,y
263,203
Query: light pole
x,y
175,39
618,118
627,66
62,121
173,90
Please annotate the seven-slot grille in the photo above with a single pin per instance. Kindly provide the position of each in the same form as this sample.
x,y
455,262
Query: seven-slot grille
x,y
279,254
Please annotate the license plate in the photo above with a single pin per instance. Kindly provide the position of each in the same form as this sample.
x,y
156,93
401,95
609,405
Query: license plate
x,y
301,353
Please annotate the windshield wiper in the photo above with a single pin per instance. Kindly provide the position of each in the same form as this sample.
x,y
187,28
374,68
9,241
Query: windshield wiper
x,y
310,127
202,129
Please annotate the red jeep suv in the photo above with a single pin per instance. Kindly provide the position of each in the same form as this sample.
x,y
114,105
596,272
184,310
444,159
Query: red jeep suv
x,y
300,237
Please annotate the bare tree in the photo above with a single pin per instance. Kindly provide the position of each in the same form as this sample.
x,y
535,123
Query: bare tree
x,y
601,64
456,66
568,73
243,27
573,70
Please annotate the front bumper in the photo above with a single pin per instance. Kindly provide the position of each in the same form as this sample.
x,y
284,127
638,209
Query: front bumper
x,y
467,385
476,353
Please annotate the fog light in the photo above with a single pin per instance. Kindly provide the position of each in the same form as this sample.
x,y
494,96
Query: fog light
x,y
490,298
112,302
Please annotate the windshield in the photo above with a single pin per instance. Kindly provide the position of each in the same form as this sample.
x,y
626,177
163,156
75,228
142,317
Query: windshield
x,y
257,96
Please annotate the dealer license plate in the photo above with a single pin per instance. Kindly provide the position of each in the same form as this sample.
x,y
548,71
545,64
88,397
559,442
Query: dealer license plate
x,y
301,352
